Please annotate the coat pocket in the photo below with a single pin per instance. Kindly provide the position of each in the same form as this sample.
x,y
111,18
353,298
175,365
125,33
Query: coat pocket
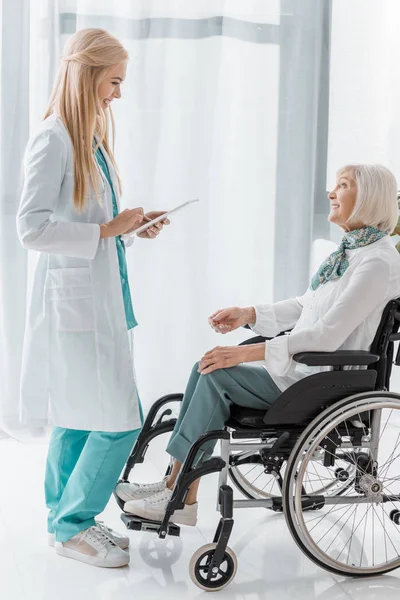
x,y
69,297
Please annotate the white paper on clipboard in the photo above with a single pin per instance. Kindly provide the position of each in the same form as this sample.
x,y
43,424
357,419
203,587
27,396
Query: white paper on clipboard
x,y
162,217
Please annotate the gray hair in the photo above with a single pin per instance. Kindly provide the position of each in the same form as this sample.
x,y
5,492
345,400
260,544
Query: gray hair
x,y
376,202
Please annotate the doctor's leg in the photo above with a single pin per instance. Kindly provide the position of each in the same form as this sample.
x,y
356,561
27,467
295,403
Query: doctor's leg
x,y
91,483
64,451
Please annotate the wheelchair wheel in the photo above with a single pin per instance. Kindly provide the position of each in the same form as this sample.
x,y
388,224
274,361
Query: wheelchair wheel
x,y
200,565
252,481
355,533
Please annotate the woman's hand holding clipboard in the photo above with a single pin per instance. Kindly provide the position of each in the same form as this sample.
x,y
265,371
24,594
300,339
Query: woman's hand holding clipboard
x,y
156,220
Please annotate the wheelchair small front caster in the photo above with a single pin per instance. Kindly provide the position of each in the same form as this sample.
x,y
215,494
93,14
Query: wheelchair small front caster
x,y
395,516
200,565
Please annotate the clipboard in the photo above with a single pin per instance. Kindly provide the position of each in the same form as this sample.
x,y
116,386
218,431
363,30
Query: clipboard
x,y
162,217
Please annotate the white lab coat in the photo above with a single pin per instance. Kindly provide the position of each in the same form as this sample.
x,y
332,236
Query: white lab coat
x,y
77,368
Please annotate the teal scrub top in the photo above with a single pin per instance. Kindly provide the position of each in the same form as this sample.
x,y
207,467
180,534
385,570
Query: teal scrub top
x,y
123,269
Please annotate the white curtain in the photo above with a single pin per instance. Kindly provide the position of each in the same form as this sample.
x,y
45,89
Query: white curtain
x,y
364,123
225,101
14,131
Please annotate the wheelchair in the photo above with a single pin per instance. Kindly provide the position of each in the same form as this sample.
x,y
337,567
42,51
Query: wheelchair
x,y
325,454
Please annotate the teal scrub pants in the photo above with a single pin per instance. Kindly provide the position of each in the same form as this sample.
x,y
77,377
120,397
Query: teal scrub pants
x,y
208,399
82,470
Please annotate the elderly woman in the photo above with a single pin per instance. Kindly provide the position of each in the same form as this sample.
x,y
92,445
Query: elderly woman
x,y
340,310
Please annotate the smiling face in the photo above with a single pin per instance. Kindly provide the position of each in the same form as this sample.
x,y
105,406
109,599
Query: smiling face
x,y
343,199
110,86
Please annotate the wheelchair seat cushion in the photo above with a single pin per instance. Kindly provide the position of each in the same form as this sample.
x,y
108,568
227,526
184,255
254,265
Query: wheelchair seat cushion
x,y
304,400
246,417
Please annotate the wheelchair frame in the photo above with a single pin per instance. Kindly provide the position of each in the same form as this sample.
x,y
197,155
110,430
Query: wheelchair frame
x,y
280,436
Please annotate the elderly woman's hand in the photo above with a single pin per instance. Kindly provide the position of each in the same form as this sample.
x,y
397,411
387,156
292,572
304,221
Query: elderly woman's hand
x,y
228,319
221,357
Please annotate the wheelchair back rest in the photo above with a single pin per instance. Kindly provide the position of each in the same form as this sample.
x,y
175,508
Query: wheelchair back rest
x,y
305,399
383,345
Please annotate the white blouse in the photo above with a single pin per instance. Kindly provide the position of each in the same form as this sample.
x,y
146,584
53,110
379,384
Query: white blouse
x,y
342,314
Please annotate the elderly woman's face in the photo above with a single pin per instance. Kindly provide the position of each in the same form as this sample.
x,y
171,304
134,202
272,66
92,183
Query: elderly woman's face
x,y
342,199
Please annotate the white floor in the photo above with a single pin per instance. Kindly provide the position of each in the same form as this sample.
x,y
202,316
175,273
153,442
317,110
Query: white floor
x,y
270,564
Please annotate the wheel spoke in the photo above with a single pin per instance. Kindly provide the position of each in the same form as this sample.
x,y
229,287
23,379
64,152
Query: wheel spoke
x,y
343,526
384,528
331,511
337,521
354,534
390,460
386,534
384,428
373,537
351,535
250,470
315,470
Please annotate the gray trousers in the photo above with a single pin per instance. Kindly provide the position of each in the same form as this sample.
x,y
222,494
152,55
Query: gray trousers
x,y
208,398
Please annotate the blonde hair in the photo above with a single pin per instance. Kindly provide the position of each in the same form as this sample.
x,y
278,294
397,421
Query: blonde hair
x,y
87,56
376,203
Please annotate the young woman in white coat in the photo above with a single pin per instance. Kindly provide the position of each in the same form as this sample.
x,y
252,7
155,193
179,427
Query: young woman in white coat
x,y
77,371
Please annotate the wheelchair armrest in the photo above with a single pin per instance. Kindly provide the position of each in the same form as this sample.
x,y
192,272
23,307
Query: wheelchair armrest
x,y
258,339
338,358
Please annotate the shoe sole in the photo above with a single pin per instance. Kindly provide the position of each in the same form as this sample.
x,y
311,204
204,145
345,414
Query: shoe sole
x,y
51,540
127,498
90,560
176,519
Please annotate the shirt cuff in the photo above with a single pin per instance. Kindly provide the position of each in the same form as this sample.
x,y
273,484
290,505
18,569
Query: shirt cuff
x,y
128,239
265,324
278,361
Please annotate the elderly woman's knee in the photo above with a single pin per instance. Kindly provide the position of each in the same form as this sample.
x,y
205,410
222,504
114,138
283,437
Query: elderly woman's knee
x,y
217,378
195,367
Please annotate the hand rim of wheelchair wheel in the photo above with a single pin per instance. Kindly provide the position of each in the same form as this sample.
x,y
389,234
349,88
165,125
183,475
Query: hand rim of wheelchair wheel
x,y
321,427
208,549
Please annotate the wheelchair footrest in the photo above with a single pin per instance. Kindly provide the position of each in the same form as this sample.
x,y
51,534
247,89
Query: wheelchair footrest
x,y
138,524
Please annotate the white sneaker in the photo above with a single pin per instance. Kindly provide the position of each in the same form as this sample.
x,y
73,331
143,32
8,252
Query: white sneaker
x,y
120,540
138,491
155,506
93,547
